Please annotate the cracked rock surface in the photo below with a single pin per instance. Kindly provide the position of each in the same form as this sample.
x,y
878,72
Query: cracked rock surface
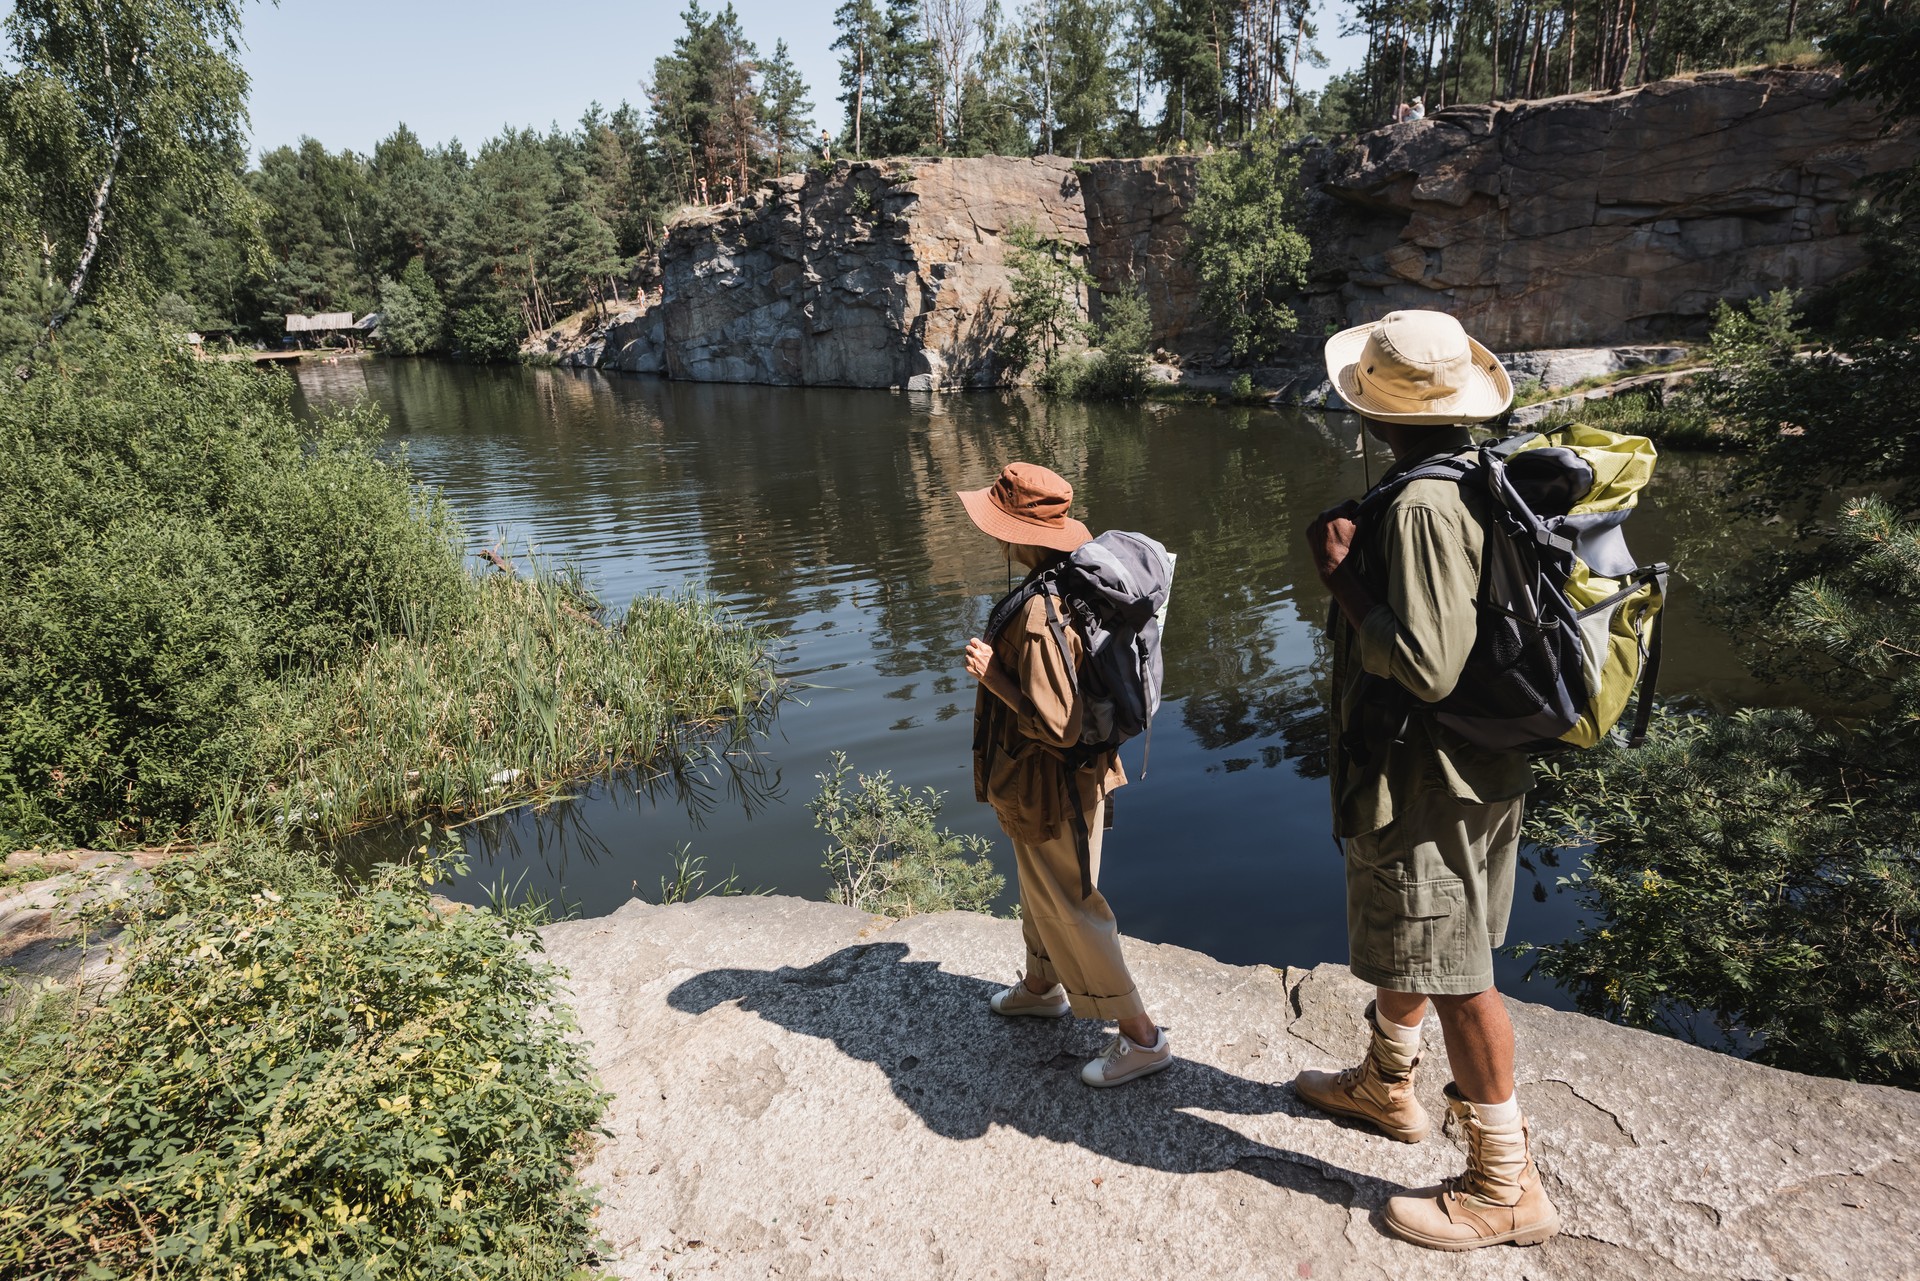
x,y
803,1090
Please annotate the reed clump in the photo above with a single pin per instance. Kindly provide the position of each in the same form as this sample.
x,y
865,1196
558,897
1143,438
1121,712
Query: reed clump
x,y
523,691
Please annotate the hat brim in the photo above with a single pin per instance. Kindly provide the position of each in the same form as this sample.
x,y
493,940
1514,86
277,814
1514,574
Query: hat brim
x,y
1488,393
993,520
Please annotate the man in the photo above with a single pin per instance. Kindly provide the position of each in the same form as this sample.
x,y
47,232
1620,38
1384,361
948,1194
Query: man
x,y
1429,823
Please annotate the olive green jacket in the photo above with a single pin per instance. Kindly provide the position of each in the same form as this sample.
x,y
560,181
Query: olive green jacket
x,y
1421,556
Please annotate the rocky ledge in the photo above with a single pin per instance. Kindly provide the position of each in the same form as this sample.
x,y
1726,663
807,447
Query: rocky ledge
x,y
802,1090
1585,221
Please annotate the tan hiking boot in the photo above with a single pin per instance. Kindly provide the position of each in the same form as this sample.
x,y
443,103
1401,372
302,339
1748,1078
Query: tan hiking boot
x,y
1378,1091
1498,1201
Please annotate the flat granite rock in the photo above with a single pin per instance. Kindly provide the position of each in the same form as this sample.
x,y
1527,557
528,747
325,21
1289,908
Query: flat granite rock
x,y
803,1090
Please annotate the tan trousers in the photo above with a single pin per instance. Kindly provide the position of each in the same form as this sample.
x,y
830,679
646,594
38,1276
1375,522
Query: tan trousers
x,y
1070,940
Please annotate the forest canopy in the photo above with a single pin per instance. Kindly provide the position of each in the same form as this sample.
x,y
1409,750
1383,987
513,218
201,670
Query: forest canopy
x,y
470,248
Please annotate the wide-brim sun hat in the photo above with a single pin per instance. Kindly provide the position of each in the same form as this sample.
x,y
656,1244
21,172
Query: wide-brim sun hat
x,y
1417,367
1028,504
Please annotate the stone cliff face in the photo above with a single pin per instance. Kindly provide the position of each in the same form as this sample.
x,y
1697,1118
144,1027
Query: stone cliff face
x,y
871,275
1600,219
1578,221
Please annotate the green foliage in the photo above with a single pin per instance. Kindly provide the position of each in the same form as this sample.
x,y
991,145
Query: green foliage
x,y
484,332
412,320
516,689
1043,314
889,856
176,540
1813,422
113,119
1247,253
887,78
1118,370
1761,868
688,884
298,1077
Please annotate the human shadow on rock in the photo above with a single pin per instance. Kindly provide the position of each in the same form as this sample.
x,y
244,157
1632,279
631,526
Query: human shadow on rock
x,y
963,1070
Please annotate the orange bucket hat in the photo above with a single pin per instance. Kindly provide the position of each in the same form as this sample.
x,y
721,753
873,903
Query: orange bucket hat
x,y
1028,504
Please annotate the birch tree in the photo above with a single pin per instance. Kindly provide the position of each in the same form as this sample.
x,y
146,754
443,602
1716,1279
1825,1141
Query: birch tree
x,y
116,112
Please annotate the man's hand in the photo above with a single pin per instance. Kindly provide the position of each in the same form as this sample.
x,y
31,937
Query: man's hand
x,y
1330,537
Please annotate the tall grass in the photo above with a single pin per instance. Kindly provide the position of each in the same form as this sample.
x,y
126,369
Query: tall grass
x,y
524,690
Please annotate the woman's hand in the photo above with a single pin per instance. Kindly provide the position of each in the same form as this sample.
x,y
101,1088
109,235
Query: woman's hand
x,y
978,658
982,667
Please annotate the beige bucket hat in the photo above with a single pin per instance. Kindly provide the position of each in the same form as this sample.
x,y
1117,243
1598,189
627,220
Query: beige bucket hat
x,y
1417,367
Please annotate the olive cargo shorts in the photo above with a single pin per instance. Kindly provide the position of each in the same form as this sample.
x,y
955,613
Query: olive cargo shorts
x,y
1428,895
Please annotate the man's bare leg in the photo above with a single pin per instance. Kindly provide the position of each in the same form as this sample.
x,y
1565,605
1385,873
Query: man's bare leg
x,y
1478,1033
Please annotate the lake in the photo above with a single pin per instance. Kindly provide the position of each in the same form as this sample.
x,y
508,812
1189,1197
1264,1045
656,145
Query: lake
x,y
829,516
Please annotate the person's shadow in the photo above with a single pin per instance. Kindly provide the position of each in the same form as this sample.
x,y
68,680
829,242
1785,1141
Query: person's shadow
x,y
962,1069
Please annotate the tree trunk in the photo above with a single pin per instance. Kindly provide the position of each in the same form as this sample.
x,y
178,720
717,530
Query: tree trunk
x,y
1573,41
1493,64
859,100
1293,73
1646,41
1533,59
96,226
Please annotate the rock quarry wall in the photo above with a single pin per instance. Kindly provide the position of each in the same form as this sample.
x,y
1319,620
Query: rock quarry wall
x,y
1579,221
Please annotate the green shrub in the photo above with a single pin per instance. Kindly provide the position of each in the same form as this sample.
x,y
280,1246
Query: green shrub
x,y
1761,868
176,540
1043,313
298,1078
1118,371
889,856
412,319
1245,248
484,332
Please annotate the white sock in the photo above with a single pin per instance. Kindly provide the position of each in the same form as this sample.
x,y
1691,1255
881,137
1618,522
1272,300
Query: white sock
x,y
1500,1116
1404,1033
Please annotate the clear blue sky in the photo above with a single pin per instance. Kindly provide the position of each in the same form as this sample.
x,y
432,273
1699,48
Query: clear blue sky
x,y
346,71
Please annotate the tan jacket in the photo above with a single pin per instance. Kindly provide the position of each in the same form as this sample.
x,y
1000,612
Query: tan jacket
x,y
1422,556
1018,766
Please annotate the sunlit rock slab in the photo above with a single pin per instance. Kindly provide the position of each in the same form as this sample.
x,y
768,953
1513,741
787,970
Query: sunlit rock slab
x,y
802,1090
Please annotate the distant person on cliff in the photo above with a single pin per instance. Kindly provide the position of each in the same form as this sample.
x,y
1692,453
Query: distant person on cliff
x,y
1418,111
1429,824
826,145
1026,715
1400,113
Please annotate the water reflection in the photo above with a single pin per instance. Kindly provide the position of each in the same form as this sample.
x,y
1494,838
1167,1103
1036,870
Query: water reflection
x,y
829,516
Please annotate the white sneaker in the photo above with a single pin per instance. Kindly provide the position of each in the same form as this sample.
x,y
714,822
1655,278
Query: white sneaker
x,y
1017,1000
1124,1059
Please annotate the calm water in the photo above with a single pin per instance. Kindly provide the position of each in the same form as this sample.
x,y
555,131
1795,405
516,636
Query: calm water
x,y
829,516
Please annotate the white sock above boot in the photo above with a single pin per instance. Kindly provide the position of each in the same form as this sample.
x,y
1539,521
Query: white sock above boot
x,y
1500,1116
1407,1034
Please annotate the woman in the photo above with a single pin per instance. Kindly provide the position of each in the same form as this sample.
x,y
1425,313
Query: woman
x,y
1026,720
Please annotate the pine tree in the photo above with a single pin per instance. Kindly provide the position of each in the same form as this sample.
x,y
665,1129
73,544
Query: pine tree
x,y
788,117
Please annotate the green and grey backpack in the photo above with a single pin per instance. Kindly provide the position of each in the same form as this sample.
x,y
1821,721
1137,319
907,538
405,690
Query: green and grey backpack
x,y
1569,622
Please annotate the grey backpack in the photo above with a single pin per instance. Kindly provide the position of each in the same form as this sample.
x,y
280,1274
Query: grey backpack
x,y
1113,591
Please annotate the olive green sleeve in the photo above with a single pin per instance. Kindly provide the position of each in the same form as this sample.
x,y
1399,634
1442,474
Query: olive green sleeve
x,y
1421,634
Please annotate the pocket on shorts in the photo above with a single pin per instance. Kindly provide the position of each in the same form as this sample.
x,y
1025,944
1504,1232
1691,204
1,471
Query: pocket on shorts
x,y
1409,925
